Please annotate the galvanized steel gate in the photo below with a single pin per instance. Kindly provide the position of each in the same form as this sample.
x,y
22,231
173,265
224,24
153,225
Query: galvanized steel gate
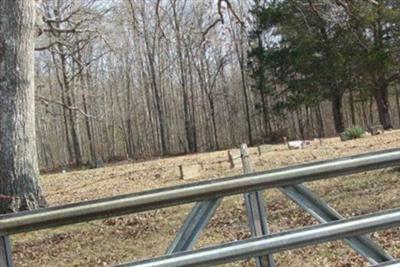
x,y
257,216
209,194
203,212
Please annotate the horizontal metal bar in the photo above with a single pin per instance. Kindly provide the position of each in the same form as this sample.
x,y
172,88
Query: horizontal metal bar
x,y
389,264
194,224
317,207
166,197
277,242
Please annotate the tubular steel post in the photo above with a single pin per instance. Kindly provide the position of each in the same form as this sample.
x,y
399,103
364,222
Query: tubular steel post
x,y
5,252
256,211
320,210
274,243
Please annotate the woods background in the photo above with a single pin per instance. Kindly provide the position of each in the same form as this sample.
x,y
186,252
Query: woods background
x,y
134,79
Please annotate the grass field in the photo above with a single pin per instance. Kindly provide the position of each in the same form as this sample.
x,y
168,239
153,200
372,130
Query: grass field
x,y
144,235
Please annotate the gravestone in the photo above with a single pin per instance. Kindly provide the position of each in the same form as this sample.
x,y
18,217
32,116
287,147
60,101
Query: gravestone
x,y
234,158
344,137
285,140
376,129
98,163
65,169
318,141
192,171
264,149
298,144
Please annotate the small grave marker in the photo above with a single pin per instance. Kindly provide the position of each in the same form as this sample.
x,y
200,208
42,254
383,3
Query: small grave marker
x,y
285,140
376,129
192,171
318,141
98,163
344,137
298,144
234,158
264,149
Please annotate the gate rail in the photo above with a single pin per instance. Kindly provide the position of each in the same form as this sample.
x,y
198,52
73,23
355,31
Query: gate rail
x,y
207,190
239,250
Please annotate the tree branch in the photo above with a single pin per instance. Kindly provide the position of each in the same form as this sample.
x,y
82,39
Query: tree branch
x,y
47,101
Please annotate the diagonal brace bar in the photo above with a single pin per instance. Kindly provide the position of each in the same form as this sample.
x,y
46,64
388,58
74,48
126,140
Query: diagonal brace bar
x,y
5,252
275,243
194,224
320,210
203,211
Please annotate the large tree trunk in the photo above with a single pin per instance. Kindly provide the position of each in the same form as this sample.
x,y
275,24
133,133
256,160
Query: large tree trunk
x,y
320,121
188,116
352,107
266,115
371,111
398,102
19,188
300,121
364,113
89,131
214,120
382,102
193,132
337,110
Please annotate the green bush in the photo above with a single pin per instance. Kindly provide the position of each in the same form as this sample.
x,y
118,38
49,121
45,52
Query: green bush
x,y
354,132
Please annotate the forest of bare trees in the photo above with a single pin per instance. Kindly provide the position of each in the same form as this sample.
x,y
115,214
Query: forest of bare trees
x,y
133,79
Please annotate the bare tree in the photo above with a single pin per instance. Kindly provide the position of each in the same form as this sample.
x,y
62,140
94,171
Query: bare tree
x,y
19,188
152,78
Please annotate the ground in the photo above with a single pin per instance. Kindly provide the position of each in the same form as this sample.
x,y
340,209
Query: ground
x,y
144,235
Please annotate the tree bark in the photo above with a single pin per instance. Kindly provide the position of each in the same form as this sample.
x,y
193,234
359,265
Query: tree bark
x,y
364,113
240,54
382,102
266,115
371,111
89,131
320,121
192,101
300,121
158,97
189,127
352,107
337,110
398,102
19,187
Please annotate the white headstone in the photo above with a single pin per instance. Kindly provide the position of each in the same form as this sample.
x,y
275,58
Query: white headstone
x,y
298,144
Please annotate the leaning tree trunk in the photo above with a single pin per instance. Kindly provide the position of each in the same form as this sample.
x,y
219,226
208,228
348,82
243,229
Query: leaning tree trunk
x,y
19,188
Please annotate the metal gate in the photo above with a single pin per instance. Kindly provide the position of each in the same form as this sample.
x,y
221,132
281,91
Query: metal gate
x,y
208,195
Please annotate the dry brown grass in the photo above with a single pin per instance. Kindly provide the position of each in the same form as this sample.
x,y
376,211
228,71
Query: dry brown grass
x,y
148,234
